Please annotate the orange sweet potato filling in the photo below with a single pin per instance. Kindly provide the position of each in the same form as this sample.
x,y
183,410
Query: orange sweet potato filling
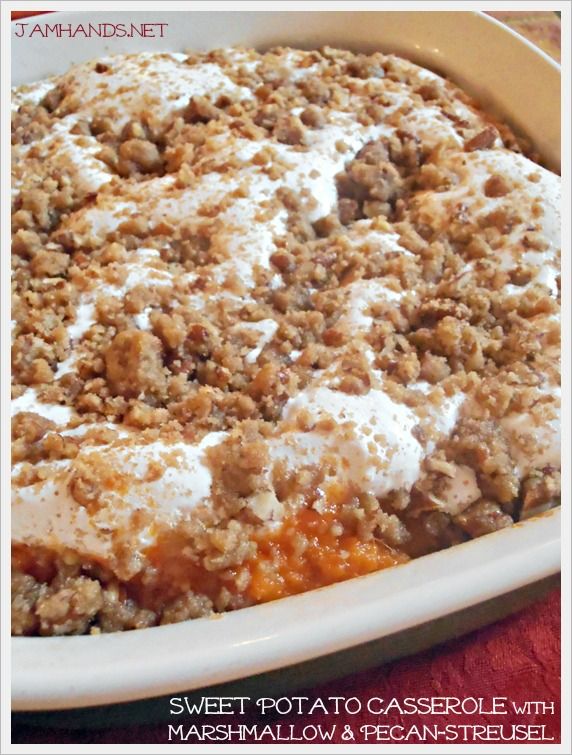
x,y
278,570
308,550
281,566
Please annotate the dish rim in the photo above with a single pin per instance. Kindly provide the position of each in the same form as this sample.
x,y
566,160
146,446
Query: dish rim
x,y
530,551
269,636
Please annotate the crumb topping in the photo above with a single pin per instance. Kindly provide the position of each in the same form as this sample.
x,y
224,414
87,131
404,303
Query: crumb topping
x,y
279,319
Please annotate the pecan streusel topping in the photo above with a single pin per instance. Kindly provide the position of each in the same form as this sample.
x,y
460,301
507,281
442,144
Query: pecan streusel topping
x,y
280,319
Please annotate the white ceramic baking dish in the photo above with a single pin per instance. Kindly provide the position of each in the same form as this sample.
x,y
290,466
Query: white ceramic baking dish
x,y
508,75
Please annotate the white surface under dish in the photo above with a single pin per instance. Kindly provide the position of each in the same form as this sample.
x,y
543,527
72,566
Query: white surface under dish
x,y
487,60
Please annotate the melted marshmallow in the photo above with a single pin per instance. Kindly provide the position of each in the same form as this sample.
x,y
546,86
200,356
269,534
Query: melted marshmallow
x,y
533,203
126,86
158,480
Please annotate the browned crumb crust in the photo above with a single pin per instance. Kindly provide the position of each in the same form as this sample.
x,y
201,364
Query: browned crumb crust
x,y
190,374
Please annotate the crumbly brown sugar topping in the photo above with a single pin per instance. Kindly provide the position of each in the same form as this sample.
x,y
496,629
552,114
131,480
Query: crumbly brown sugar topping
x,y
279,319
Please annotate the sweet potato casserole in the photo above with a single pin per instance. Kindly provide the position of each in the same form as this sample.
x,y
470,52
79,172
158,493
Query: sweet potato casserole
x,y
280,320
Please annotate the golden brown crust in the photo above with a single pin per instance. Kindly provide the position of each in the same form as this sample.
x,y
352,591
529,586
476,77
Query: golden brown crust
x,y
176,355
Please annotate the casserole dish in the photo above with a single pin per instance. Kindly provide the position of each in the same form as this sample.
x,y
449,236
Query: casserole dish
x,y
71,672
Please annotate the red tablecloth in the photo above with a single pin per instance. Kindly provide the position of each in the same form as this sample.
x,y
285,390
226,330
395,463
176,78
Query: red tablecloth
x,y
517,658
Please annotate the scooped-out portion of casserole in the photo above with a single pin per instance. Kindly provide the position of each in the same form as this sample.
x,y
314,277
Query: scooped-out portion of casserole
x,y
279,320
